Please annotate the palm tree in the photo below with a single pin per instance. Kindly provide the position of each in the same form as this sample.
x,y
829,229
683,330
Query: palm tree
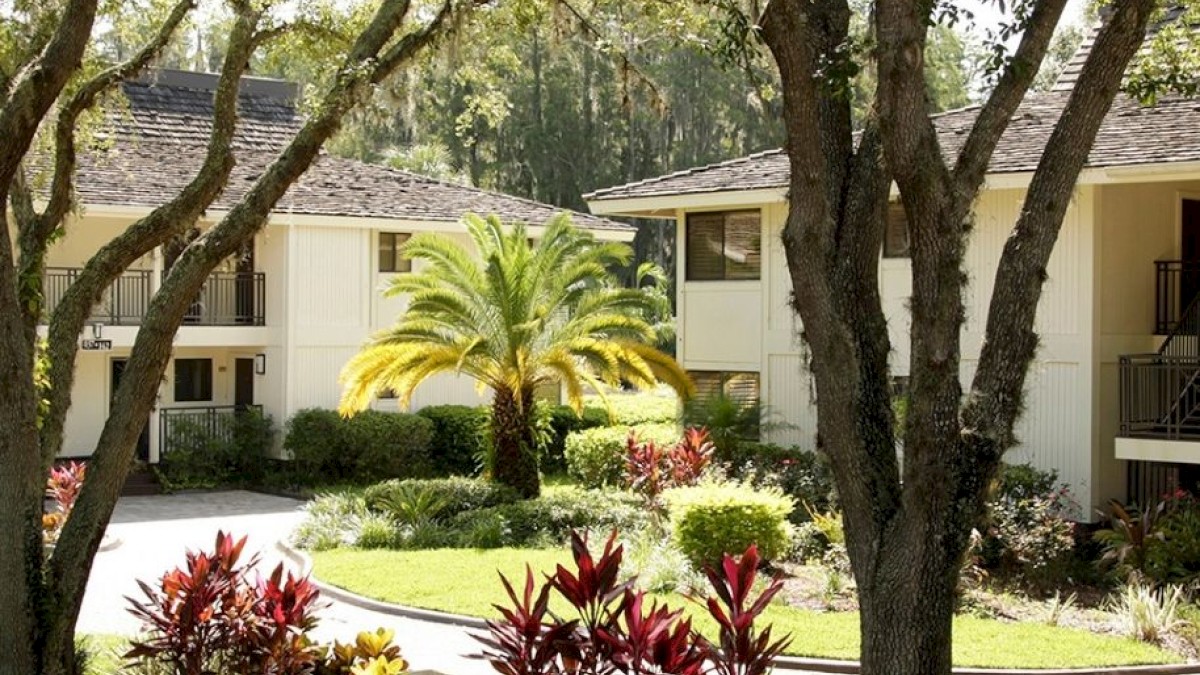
x,y
517,316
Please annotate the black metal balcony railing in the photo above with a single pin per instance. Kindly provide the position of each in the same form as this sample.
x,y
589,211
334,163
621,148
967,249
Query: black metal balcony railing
x,y
226,299
123,304
196,428
1176,285
230,299
1160,396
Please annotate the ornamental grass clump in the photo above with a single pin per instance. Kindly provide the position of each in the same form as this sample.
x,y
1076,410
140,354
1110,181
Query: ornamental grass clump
x,y
614,629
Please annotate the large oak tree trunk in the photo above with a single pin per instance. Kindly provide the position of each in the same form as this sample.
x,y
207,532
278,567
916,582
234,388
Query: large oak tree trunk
x,y
513,442
906,531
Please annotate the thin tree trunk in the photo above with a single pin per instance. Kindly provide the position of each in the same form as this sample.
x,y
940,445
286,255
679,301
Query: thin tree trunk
x,y
514,447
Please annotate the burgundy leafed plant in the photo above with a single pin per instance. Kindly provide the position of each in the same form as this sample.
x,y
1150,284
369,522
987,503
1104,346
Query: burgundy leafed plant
x,y
742,649
614,630
650,469
209,615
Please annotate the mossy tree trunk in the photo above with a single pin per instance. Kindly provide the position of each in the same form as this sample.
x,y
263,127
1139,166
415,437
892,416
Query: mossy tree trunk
x,y
514,443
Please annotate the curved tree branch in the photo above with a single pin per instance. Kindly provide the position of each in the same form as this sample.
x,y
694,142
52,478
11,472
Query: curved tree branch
x,y
997,112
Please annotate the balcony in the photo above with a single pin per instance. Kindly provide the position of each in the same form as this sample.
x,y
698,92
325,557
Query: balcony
x,y
226,299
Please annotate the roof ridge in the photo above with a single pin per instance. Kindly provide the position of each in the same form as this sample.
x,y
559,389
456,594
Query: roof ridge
x,y
474,188
684,172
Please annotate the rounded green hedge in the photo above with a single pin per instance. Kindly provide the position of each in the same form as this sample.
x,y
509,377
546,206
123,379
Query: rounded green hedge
x,y
712,519
370,446
596,457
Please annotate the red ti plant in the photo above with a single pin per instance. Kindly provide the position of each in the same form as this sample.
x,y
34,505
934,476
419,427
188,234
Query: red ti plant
x,y
199,613
62,487
208,615
649,469
615,633
742,649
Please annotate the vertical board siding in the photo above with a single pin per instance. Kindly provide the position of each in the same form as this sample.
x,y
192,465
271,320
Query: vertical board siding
x,y
792,417
331,290
315,376
1065,289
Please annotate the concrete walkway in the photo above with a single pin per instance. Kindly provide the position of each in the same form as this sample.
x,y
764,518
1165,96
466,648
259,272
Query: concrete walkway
x,y
154,532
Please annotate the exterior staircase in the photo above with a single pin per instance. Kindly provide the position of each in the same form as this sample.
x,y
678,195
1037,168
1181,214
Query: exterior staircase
x,y
141,481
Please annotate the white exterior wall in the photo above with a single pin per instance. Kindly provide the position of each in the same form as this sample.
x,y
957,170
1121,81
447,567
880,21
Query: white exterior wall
x,y
747,325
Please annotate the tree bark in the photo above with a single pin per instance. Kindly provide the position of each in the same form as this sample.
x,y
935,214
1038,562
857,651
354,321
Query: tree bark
x,y
27,100
514,446
906,537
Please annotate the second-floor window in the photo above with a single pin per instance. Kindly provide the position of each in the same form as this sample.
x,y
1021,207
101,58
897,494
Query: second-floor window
x,y
390,257
724,246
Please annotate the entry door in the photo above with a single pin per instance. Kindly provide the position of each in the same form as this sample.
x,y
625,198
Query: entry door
x,y
243,383
143,443
1189,250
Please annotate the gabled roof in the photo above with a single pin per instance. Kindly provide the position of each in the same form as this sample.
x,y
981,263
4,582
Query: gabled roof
x,y
152,148
1131,134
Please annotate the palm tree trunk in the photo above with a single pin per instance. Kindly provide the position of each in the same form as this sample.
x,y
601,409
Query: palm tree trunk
x,y
514,458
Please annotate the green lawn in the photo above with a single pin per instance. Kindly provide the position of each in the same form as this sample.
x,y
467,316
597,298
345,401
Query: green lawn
x,y
465,582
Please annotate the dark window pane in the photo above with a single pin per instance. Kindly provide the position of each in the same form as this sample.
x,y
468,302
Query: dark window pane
x,y
387,252
708,383
742,387
193,380
895,238
743,246
705,241
390,257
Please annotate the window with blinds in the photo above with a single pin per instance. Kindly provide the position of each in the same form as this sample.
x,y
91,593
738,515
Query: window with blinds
x,y
740,386
895,234
724,246
390,257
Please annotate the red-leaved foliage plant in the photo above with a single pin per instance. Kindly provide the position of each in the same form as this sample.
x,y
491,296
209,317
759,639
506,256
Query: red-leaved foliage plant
x,y
62,487
208,616
613,631
650,469
742,650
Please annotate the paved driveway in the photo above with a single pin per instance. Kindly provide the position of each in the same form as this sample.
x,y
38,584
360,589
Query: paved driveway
x,y
155,531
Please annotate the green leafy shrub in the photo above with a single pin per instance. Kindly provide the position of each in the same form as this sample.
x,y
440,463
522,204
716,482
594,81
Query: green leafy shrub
x,y
730,422
369,446
561,420
804,475
1173,557
330,521
376,531
459,438
596,457
1029,538
233,452
456,494
712,519
549,519
634,409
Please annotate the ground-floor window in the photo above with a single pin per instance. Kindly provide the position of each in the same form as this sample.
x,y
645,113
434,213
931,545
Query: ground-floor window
x,y
193,380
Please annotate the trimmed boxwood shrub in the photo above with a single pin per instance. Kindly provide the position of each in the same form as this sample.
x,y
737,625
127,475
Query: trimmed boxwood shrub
x,y
562,420
370,446
711,519
459,438
596,457
455,495
635,409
